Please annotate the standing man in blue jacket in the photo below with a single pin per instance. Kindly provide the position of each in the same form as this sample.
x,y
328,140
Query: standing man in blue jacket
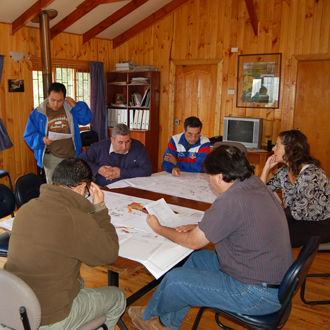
x,y
186,151
58,114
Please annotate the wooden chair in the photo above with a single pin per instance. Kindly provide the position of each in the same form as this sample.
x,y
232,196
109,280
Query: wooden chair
x,y
291,283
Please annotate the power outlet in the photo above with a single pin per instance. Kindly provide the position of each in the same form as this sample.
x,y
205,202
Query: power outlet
x,y
231,91
176,121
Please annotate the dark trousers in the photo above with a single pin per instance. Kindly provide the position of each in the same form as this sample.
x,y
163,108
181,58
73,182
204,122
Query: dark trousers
x,y
301,230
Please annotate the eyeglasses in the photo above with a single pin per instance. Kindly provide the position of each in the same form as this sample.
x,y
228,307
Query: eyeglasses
x,y
88,192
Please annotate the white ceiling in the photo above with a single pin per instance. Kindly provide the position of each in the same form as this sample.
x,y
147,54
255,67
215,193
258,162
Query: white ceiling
x,y
10,10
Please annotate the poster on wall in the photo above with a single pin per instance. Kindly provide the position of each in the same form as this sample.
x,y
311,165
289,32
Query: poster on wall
x,y
15,85
258,82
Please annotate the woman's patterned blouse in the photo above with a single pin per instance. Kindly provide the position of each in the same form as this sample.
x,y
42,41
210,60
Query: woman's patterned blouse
x,y
309,197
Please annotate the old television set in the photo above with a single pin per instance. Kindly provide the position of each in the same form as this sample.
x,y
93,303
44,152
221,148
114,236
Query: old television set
x,y
247,131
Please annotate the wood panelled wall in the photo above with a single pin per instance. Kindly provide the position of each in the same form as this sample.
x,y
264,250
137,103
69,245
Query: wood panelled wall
x,y
198,30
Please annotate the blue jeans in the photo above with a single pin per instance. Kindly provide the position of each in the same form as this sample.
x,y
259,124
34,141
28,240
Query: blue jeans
x,y
200,282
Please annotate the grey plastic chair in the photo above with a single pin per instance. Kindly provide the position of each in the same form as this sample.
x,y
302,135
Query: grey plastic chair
x,y
19,306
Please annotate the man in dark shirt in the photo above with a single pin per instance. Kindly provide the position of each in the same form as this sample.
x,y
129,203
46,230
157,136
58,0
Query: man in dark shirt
x,y
252,250
117,158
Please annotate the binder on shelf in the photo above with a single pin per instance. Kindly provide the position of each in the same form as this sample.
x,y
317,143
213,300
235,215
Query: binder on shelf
x,y
131,118
124,116
136,115
145,97
145,120
109,117
140,119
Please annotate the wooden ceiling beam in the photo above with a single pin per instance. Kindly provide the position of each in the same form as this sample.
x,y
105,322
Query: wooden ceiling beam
x,y
30,13
253,15
159,14
82,9
112,19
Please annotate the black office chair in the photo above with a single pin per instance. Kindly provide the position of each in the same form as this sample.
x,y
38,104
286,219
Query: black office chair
x,y
323,248
7,207
238,145
88,137
289,286
26,188
4,173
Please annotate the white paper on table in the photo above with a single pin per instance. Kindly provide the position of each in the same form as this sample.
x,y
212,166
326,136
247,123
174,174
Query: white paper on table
x,y
163,212
7,224
59,136
138,241
195,186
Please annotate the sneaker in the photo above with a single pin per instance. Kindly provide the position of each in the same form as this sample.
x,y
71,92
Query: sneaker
x,y
136,312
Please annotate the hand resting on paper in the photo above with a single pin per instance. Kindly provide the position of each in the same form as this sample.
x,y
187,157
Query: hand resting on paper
x,y
176,171
153,222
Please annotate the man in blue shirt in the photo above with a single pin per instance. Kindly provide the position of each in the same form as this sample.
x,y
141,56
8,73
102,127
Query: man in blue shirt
x,y
186,151
117,158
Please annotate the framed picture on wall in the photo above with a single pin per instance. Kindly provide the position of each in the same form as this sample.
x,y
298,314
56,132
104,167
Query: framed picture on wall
x,y
119,98
15,85
258,80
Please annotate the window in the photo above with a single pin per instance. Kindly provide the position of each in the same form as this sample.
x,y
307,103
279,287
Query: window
x,y
76,79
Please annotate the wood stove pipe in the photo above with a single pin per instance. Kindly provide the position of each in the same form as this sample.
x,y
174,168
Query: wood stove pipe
x,y
43,18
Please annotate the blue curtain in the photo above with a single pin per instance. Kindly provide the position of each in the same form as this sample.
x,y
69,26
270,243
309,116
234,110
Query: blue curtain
x,y
98,100
5,142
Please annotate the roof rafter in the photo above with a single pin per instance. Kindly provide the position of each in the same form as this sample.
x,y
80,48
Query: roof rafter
x,y
83,9
30,13
112,19
159,14
253,15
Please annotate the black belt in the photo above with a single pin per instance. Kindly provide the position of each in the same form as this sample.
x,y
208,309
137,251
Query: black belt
x,y
47,151
270,286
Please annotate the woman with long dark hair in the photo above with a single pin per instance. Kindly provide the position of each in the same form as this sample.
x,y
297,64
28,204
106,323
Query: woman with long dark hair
x,y
305,188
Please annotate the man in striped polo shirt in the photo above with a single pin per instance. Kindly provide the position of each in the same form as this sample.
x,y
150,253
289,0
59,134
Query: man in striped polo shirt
x,y
186,151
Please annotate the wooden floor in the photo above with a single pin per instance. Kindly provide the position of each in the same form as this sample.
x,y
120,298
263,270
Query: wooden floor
x,y
303,317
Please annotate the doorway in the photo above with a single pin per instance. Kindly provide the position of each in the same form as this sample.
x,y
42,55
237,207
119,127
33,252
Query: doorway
x,y
195,91
312,107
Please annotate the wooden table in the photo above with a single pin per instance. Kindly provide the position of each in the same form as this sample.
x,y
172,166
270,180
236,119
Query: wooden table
x,y
125,266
